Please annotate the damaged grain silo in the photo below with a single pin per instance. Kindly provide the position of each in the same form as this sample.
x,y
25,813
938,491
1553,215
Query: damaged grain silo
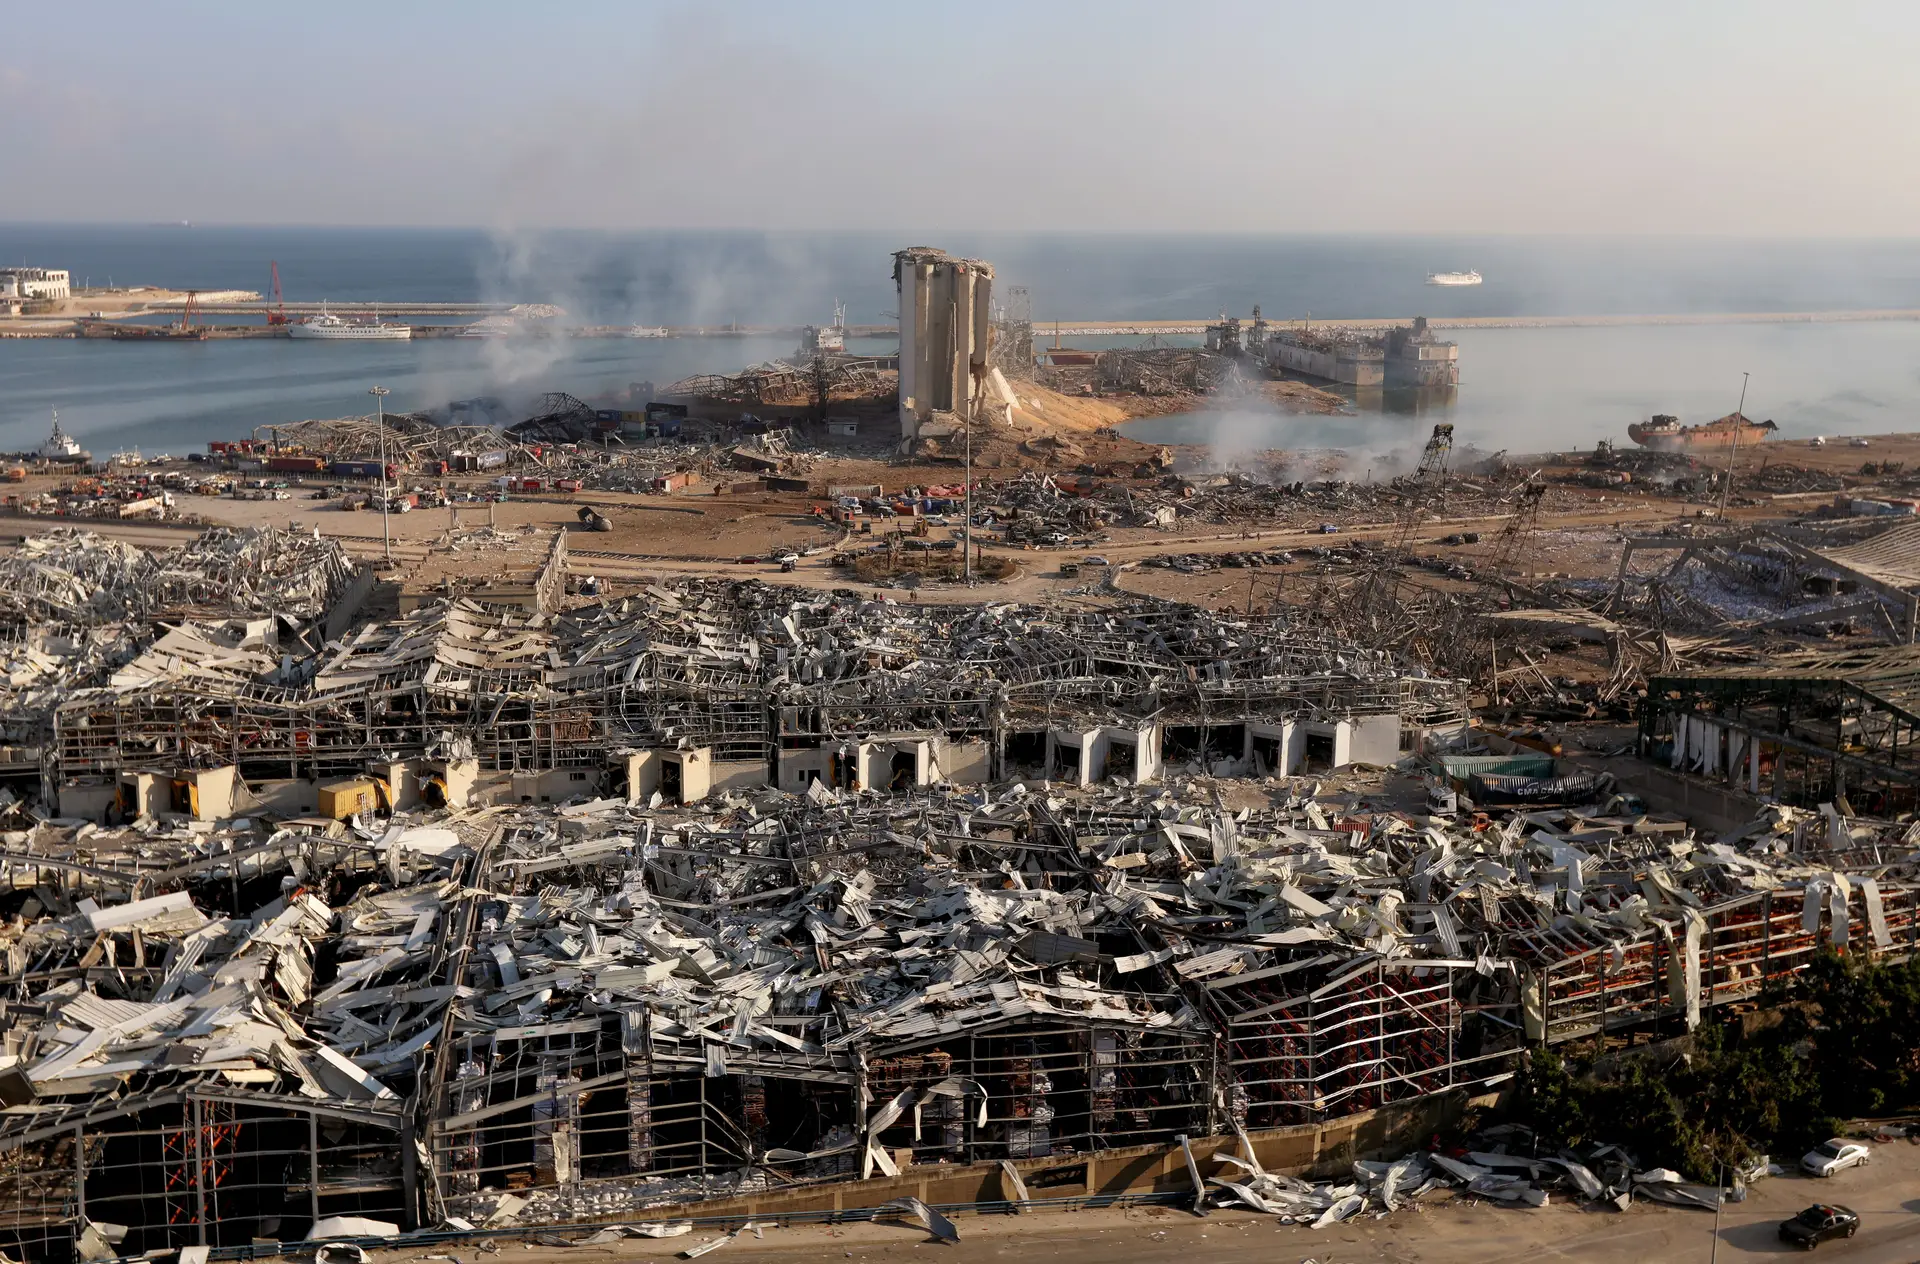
x,y
945,327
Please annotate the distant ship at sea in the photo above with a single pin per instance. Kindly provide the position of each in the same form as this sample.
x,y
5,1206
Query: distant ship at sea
x,y
1664,433
1453,278
328,327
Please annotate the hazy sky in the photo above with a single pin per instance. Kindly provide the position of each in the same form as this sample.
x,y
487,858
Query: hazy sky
x,y
1756,117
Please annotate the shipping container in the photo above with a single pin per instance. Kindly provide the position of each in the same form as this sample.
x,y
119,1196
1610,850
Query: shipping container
x,y
342,799
296,464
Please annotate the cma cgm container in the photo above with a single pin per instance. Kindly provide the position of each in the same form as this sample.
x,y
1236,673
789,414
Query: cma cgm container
x,y
296,464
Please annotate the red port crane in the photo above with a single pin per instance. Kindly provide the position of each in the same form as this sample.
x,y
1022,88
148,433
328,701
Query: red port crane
x,y
278,316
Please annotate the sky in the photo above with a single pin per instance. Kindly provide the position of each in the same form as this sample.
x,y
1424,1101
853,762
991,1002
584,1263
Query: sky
x,y
1750,118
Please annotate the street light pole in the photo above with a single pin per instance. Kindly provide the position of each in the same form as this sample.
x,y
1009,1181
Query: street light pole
x,y
379,394
967,533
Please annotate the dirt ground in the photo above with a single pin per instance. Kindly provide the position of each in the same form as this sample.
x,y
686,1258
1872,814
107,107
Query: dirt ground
x,y
1442,1230
699,533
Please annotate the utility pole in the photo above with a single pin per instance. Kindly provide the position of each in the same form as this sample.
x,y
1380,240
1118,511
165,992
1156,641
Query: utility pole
x,y
1739,420
966,541
379,394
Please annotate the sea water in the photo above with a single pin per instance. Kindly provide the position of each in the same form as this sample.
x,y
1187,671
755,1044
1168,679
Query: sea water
x,y
1521,389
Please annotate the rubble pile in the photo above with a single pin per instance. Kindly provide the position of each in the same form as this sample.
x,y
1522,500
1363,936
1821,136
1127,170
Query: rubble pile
x,y
293,574
76,578
767,680
71,576
589,1010
1500,1172
1040,503
41,663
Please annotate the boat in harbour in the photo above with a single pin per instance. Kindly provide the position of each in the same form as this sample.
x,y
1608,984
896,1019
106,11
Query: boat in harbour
x,y
1454,278
1664,433
61,446
330,328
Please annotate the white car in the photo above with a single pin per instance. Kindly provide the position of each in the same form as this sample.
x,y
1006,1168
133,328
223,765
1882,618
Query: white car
x,y
1830,1158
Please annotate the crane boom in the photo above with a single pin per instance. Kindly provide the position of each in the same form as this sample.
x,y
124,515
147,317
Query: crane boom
x,y
1429,478
278,316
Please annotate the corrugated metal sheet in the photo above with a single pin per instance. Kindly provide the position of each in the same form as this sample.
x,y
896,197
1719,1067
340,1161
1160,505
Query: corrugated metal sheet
x,y
1892,557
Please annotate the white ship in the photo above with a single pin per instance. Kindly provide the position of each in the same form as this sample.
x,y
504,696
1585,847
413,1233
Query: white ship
x,y
60,446
330,327
1453,278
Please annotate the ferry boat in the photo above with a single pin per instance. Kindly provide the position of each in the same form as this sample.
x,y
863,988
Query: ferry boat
x,y
1664,433
60,446
1453,278
331,328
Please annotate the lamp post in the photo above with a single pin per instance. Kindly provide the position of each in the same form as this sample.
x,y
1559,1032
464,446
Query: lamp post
x,y
967,532
379,394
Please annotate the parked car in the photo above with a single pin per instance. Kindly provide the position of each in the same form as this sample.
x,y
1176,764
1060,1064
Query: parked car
x,y
1818,1223
1094,559
1832,1157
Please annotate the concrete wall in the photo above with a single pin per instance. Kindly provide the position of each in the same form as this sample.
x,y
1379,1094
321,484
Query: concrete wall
x,y
462,781
402,781
87,801
1327,1149
876,760
1076,747
555,786
1333,366
1376,740
962,763
212,791
340,614
291,796
699,774
1142,766
798,767
739,774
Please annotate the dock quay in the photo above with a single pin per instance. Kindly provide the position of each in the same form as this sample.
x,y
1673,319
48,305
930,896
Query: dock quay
x,y
1375,324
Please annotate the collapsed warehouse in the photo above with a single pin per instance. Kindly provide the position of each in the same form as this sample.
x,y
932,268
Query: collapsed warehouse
x,y
522,1016
715,687
486,918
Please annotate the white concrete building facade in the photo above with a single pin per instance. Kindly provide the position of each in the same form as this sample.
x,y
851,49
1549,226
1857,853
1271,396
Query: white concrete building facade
x,y
31,283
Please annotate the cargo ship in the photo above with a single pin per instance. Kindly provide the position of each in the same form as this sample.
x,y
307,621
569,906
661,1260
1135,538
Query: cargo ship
x,y
1664,433
1453,278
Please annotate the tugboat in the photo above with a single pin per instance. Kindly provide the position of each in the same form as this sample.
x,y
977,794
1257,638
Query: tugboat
x,y
1664,433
